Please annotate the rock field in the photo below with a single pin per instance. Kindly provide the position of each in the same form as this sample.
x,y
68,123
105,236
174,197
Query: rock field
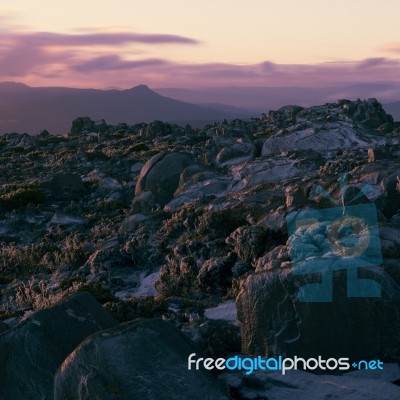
x,y
117,242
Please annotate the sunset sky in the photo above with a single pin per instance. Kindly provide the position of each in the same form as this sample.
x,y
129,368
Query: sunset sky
x,y
178,43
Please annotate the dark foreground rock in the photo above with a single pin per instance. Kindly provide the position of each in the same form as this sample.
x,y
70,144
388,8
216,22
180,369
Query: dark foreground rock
x,y
299,385
3,327
136,360
275,322
31,352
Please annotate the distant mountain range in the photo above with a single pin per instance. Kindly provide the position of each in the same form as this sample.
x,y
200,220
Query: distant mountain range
x,y
29,109
32,109
261,99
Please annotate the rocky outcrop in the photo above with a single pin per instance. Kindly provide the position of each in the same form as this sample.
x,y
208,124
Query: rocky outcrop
x,y
369,113
334,126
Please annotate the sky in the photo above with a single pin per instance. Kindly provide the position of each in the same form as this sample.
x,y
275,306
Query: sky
x,y
176,43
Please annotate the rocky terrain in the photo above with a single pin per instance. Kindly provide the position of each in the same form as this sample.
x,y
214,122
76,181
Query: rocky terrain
x,y
120,243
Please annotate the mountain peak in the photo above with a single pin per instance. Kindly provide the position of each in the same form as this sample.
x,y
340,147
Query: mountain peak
x,y
141,88
13,85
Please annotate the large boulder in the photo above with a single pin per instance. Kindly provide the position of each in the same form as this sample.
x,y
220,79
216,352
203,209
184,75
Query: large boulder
x,y
160,175
275,320
31,352
136,360
332,299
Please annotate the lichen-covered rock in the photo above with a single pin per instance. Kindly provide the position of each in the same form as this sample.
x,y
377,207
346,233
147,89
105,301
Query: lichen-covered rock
x,y
216,273
177,276
250,242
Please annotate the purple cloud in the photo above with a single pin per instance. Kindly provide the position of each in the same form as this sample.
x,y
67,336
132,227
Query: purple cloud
x,y
44,39
372,62
39,53
272,74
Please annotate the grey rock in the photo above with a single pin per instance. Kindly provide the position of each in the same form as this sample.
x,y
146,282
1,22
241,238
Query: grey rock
x,y
267,170
136,168
108,185
235,154
189,172
130,224
200,185
67,221
161,174
144,202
